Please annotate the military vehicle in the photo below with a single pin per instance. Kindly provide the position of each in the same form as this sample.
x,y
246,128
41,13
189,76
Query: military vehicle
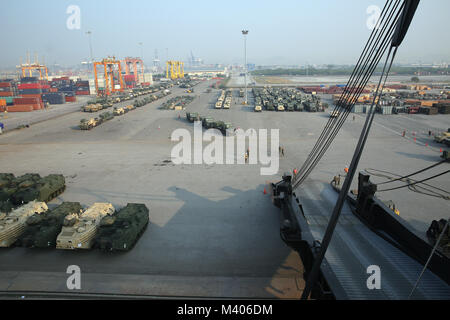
x,y
334,114
105,116
434,232
192,116
129,107
258,108
121,231
12,225
218,105
118,111
88,124
15,185
280,107
440,138
92,107
241,93
207,122
78,231
42,229
45,189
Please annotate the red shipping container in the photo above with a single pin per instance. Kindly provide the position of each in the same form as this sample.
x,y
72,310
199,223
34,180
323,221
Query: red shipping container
x,y
6,94
27,101
53,90
82,93
37,107
71,99
21,108
5,84
29,86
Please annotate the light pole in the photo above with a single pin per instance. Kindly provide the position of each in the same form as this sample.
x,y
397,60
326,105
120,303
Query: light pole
x,y
245,32
90,46
142,57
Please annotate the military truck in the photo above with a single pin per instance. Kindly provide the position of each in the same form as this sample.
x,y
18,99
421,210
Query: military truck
x,y
192,116
42,229
208,122
45,189
218,104
12,225
121,231
79,231
88,124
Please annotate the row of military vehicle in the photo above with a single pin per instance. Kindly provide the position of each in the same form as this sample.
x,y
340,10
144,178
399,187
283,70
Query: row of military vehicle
x,y
224,100
177,103
15,191
101,103
88,124
209,122
286,99
70,227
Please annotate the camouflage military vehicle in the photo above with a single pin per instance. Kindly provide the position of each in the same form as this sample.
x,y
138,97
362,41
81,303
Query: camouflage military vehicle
x,y
12,225
280,107
45,189
208,122
222,126
42,229
12,186
130,107
105,116
192,116
88,124
93,107
118,111
121,231
258,108
79,231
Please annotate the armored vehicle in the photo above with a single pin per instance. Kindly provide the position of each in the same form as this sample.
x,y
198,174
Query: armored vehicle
x,y
218,105
93,107
45,189
42,229
258,108
12,225
440,138
78,232
122,230
280,107
130,107
12,186
118,111
88,124
105,116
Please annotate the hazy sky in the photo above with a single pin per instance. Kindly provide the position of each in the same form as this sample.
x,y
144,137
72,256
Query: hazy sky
x,y
280,32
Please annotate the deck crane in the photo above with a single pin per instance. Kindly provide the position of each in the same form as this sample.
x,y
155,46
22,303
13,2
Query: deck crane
x,y
35,66
336,256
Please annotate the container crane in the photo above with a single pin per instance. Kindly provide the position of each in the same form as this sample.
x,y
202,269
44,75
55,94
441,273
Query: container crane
x,y
109,65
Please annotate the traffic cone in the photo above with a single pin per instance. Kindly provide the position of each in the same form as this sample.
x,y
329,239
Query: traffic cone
x,y
440,150
414,139
265,192
426,144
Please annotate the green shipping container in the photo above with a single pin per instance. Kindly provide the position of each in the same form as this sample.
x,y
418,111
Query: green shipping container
x,y
9,100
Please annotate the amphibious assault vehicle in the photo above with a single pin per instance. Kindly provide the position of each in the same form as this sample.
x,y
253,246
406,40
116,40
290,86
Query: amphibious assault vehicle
x,y
12,225
121,231
79,231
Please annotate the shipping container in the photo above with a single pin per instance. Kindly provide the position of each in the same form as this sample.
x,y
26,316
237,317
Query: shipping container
x,y
20,108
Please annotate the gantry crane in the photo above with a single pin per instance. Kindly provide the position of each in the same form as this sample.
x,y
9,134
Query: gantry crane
x,y
134,63
30,67
176,69
109,65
